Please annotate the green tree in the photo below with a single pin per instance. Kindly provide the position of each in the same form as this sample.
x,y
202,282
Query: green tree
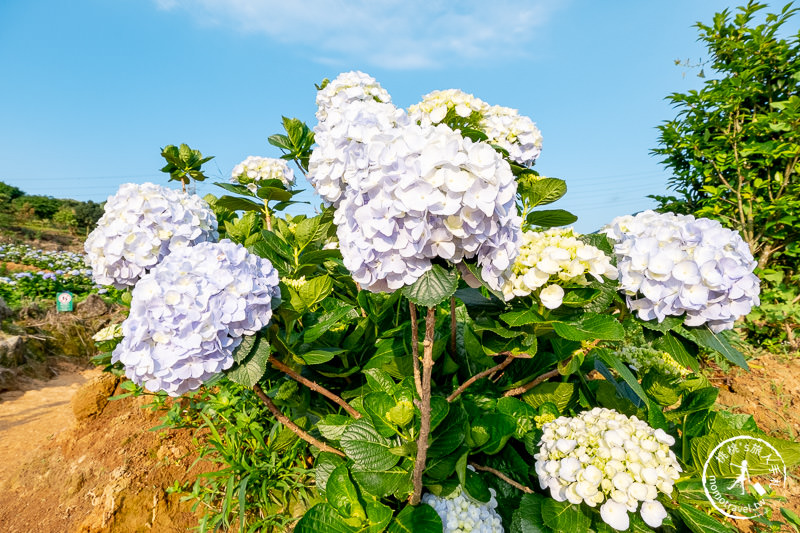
x,y
734,146
44,207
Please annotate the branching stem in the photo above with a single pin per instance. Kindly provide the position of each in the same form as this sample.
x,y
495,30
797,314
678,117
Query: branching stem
x,y
520,486
488,372
424,405
316,387
294,428
531,384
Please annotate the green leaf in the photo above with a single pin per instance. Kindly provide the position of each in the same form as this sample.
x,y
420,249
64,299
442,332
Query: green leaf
x,y
235,203
669,323
440,407
315,290
245,348
249,371
675,348
758,460
697,400
378,516
342,494
522,318
527,518
433,287
274,194
614,362
476,488
281,141
383,482
306,231
419,519
366,447
560,394
378,380
499,428
699,522
714,341
328,320
591,326
377,404
550,218
449,434
563,516
323,518
320,355
332,426
546,191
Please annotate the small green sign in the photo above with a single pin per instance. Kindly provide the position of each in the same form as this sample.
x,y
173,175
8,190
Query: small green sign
x,y
64,301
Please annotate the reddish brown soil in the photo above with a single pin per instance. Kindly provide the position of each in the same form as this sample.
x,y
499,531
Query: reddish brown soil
x,y
104,474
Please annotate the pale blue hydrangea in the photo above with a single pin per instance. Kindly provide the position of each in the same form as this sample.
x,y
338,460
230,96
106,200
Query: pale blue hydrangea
x,y
140,226
191,311
673,265
461,514
405,194
346,88
255,169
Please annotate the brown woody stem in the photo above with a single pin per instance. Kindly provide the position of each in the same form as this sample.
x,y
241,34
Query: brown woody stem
x,y
531,384
489,371
316,387
424,405
415,346
283,419
523,488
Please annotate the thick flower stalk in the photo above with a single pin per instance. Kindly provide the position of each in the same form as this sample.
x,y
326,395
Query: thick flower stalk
x,y
673,265
254,169
191,311
548,259
141,225
504,127
460,514
644,359
602,457
406,194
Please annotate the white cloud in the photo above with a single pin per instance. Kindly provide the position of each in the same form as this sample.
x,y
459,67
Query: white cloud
x,y
386,33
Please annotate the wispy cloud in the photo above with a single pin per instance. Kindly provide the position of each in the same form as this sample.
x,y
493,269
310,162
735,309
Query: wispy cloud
x,y
394,34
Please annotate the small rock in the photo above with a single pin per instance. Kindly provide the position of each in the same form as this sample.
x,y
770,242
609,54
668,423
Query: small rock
x,y
8,380
12,350
90,400
92,306
5,310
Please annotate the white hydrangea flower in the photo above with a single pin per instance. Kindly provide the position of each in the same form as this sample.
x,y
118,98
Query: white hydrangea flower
x,y
140,226
405,194
551,257
460,514
503,126
255,169
190,312
644,359
604,457
348,87
673,265
516,133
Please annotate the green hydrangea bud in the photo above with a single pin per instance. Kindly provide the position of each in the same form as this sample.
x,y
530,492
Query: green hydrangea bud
x,y
402,413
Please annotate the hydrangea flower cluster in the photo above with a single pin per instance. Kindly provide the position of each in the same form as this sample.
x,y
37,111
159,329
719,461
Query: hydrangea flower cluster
x,y
405,194
141,225
191,311
460,514
547,258
255,169
349,87
503,126
604,457
55,260
671,265
644,359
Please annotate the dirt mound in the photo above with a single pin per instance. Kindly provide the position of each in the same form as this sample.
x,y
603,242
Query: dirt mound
x,y
107,472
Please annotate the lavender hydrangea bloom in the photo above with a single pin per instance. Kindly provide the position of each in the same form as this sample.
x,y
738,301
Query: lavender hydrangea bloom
x,y
191,311
671,265
406,193
141,225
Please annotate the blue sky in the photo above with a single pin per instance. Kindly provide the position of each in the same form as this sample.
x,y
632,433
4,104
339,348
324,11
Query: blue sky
x,y
91,90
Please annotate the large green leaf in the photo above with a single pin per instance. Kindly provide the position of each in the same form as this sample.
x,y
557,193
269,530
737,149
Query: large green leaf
x,y
591,326
378,517
326,463
522,318
315,290
697,400
377,404
759,456
320,355
563,516
381,483
527,518
366,447
546,191
332,426
560,394
328,320
610,359
249,371
449,434
714,341
236,203
675,348
433,287
550,218
498,427
341,493
419,519
699,522
322,518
